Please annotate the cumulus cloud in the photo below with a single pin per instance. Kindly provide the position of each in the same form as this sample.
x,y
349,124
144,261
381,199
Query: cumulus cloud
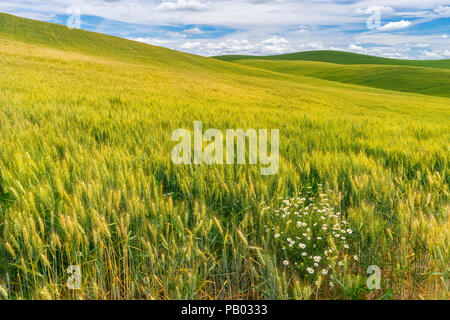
x,y
183,5
152,41
435,54
395,25
313,45
229,46
274,45
193,31
191,45
275,41
356,48
271,45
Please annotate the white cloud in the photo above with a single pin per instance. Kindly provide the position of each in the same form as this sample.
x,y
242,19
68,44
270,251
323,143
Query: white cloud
x,y
152,41
302,29
228,46
356,48
443,11
275,41
273,49
193,31
430,54
435,54
191,45
172,34
265,1
395,25
311,46
271,45
274,45
372,9
185,5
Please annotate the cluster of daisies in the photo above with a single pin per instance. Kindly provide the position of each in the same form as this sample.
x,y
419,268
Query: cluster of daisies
x,y
313,237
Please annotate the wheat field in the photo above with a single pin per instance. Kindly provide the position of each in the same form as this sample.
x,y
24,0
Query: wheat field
x,y
86,177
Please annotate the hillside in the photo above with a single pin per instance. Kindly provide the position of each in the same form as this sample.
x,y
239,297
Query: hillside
x,y
87,179
48,35
431,81
340,57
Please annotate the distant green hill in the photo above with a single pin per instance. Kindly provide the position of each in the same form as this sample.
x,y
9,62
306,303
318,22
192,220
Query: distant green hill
x,y
429,81
341,57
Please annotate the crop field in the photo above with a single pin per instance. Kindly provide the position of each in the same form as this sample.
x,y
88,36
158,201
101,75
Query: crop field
x,y
431,81
86,176
345,58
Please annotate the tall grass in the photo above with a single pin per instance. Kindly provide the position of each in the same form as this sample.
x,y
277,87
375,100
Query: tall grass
x,y
86,179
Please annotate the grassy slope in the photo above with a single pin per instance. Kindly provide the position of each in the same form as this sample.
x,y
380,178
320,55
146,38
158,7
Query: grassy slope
x,y
430,81
47,35
340,57
86,176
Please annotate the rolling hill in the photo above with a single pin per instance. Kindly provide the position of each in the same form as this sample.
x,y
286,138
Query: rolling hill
x,y
86,176
341,57
59,37
431,81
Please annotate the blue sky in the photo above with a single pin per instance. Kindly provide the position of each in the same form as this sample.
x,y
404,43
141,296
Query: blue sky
x,y
406,29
